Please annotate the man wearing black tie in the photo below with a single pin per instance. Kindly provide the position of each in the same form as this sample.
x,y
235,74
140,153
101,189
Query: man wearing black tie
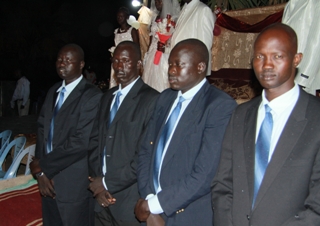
x,y
269,172
123,115
64,126
181,148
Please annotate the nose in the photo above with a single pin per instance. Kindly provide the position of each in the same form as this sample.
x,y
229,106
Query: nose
x,y
172,70
267,63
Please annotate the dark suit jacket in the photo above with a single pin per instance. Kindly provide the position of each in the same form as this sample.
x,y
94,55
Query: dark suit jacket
x,y
289,193
191,158
122,145
67,163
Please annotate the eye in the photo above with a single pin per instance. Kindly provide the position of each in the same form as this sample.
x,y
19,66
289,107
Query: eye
x,y
258,56
278,56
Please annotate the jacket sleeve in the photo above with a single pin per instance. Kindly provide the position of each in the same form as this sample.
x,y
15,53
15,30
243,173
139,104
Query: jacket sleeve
x,y
222,183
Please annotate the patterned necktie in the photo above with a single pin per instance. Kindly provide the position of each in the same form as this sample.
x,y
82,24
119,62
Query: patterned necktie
x,y
166,132
262,151
55,111
115,107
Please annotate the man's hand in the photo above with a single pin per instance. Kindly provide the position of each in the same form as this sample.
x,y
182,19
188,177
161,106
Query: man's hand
x,y
35,166
96,185
155,220
141,210
46,187
105,199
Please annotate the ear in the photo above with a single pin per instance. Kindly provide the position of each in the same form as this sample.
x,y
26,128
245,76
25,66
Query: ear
x,y
139,64
297,59
82,63
202,67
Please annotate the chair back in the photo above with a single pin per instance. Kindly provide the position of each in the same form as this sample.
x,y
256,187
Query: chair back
x,y
31,153
5,138
18,144
12,171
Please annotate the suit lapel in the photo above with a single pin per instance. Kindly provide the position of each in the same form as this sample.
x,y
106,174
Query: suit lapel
x,y
249,142
128,101
75,93
190,115
296,122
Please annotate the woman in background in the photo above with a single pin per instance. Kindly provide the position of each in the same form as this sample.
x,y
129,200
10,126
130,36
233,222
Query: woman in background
x,y
127,31
156,76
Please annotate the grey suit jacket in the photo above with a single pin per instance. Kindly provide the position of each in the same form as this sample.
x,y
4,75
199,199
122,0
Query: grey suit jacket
x,y
192,156
121,141
67,163
289,193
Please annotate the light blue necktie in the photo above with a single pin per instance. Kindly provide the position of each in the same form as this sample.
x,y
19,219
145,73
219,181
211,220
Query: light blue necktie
x,y
55,111
262,151
113,112
115,107
166,132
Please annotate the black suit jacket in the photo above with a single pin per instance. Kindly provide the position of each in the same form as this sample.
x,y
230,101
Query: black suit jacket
x,y
289,193
121,141
67,163
192,156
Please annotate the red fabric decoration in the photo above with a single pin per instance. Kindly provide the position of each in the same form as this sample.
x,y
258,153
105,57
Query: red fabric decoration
x,y
21,207
163,38
233,24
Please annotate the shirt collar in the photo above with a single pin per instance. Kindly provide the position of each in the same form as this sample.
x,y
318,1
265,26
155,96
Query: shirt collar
x,y
126,89
281,103
193,91
71,85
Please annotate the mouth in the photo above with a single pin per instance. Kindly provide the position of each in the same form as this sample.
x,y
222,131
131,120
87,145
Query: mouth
x,y
61,71
172,79
119,74
267,76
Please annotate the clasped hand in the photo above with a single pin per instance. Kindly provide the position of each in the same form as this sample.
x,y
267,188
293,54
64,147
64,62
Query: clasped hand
x,y
103,196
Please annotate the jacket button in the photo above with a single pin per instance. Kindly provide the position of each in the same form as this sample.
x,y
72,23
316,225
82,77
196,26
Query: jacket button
x,y
248,217
110,137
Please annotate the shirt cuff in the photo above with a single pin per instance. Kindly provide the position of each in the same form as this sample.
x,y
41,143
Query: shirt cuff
x,y
104,184
154,204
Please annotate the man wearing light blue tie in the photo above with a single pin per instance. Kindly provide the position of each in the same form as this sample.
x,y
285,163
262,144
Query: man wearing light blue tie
x,y
181,148
122,117
64,125
269,172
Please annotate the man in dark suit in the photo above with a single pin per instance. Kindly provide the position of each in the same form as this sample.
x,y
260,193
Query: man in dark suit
x,y
115,142
64,126
271,178
179,156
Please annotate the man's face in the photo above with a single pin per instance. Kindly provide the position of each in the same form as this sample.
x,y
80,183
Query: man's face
x,y
275,61
183,69
125,65
68,65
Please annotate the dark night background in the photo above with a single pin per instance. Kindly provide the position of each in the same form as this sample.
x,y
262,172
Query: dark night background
x,y
33,31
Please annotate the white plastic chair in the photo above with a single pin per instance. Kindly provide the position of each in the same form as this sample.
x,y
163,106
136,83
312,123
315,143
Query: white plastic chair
x,y
18,144
32,150
5,138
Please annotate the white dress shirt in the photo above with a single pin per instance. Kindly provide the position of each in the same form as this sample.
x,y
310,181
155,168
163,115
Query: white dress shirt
x,y
282,107
21,92
68,88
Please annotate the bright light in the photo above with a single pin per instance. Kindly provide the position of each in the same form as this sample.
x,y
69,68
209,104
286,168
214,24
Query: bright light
x,y
136,3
